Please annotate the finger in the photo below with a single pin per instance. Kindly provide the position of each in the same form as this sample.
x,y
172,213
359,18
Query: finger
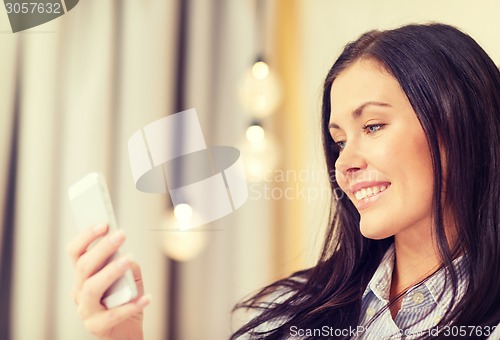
x,y
94,288
107,276
104,321
136,272
80,243
93,260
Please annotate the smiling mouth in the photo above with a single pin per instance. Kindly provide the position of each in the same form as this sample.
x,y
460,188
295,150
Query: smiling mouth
x,y
371,191
367,196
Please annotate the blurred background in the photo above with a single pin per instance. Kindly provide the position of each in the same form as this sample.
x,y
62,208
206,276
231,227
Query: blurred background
x,y
72,91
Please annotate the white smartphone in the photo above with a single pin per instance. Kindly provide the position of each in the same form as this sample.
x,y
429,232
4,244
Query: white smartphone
x,y
91,204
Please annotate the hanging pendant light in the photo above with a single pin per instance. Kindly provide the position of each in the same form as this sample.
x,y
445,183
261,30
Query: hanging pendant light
x,y
178,243
260,90
260,152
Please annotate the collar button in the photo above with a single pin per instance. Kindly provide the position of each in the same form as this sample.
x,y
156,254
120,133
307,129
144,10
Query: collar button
x,y
418,297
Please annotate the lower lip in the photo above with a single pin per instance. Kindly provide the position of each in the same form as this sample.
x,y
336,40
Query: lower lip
x,y
369,201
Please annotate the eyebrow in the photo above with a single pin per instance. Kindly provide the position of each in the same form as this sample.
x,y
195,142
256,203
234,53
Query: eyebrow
x,y
359,111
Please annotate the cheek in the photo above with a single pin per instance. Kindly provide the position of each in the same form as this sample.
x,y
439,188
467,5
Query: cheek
x,y
413,157
408,151
341,181
422,178
419,156
405,158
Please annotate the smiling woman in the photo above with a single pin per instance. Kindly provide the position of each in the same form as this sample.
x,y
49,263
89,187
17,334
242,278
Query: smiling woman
x,y
411,130
384,164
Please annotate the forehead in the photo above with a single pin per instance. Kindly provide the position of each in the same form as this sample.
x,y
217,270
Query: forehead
x,y
364,81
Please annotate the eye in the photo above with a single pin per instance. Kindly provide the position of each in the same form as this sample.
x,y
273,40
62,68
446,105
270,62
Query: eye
x,y
340,145
372,128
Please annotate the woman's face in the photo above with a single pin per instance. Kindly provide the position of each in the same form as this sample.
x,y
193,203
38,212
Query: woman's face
x,y
385,165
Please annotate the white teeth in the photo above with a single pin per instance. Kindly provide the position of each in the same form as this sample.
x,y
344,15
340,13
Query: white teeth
x,y
358,195
366,192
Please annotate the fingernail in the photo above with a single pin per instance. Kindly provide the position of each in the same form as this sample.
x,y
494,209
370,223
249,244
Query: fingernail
x,y
144,300
100,228
123,262
117,237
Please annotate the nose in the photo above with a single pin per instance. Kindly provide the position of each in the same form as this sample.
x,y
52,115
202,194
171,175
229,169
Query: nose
x,y
350,161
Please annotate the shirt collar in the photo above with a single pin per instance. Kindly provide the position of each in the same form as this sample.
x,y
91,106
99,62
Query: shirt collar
x,y
439,284
380,282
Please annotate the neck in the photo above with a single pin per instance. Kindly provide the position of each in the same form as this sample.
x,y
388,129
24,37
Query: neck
x,y
417,254
416,258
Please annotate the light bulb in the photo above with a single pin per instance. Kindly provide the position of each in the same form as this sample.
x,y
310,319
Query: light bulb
x,y
260,91
179,244
255,134
183,212
260,70
260,154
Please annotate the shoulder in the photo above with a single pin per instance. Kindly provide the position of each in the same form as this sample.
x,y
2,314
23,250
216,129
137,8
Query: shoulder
x,y
272,309
283,294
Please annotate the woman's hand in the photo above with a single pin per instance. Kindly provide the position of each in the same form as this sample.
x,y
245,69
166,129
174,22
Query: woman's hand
x,y
120,323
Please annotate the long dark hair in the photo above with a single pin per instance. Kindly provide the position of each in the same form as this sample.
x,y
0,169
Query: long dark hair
x,y
454,89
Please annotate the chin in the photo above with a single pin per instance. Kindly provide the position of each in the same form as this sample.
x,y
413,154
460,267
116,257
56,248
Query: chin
x,y
374,231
